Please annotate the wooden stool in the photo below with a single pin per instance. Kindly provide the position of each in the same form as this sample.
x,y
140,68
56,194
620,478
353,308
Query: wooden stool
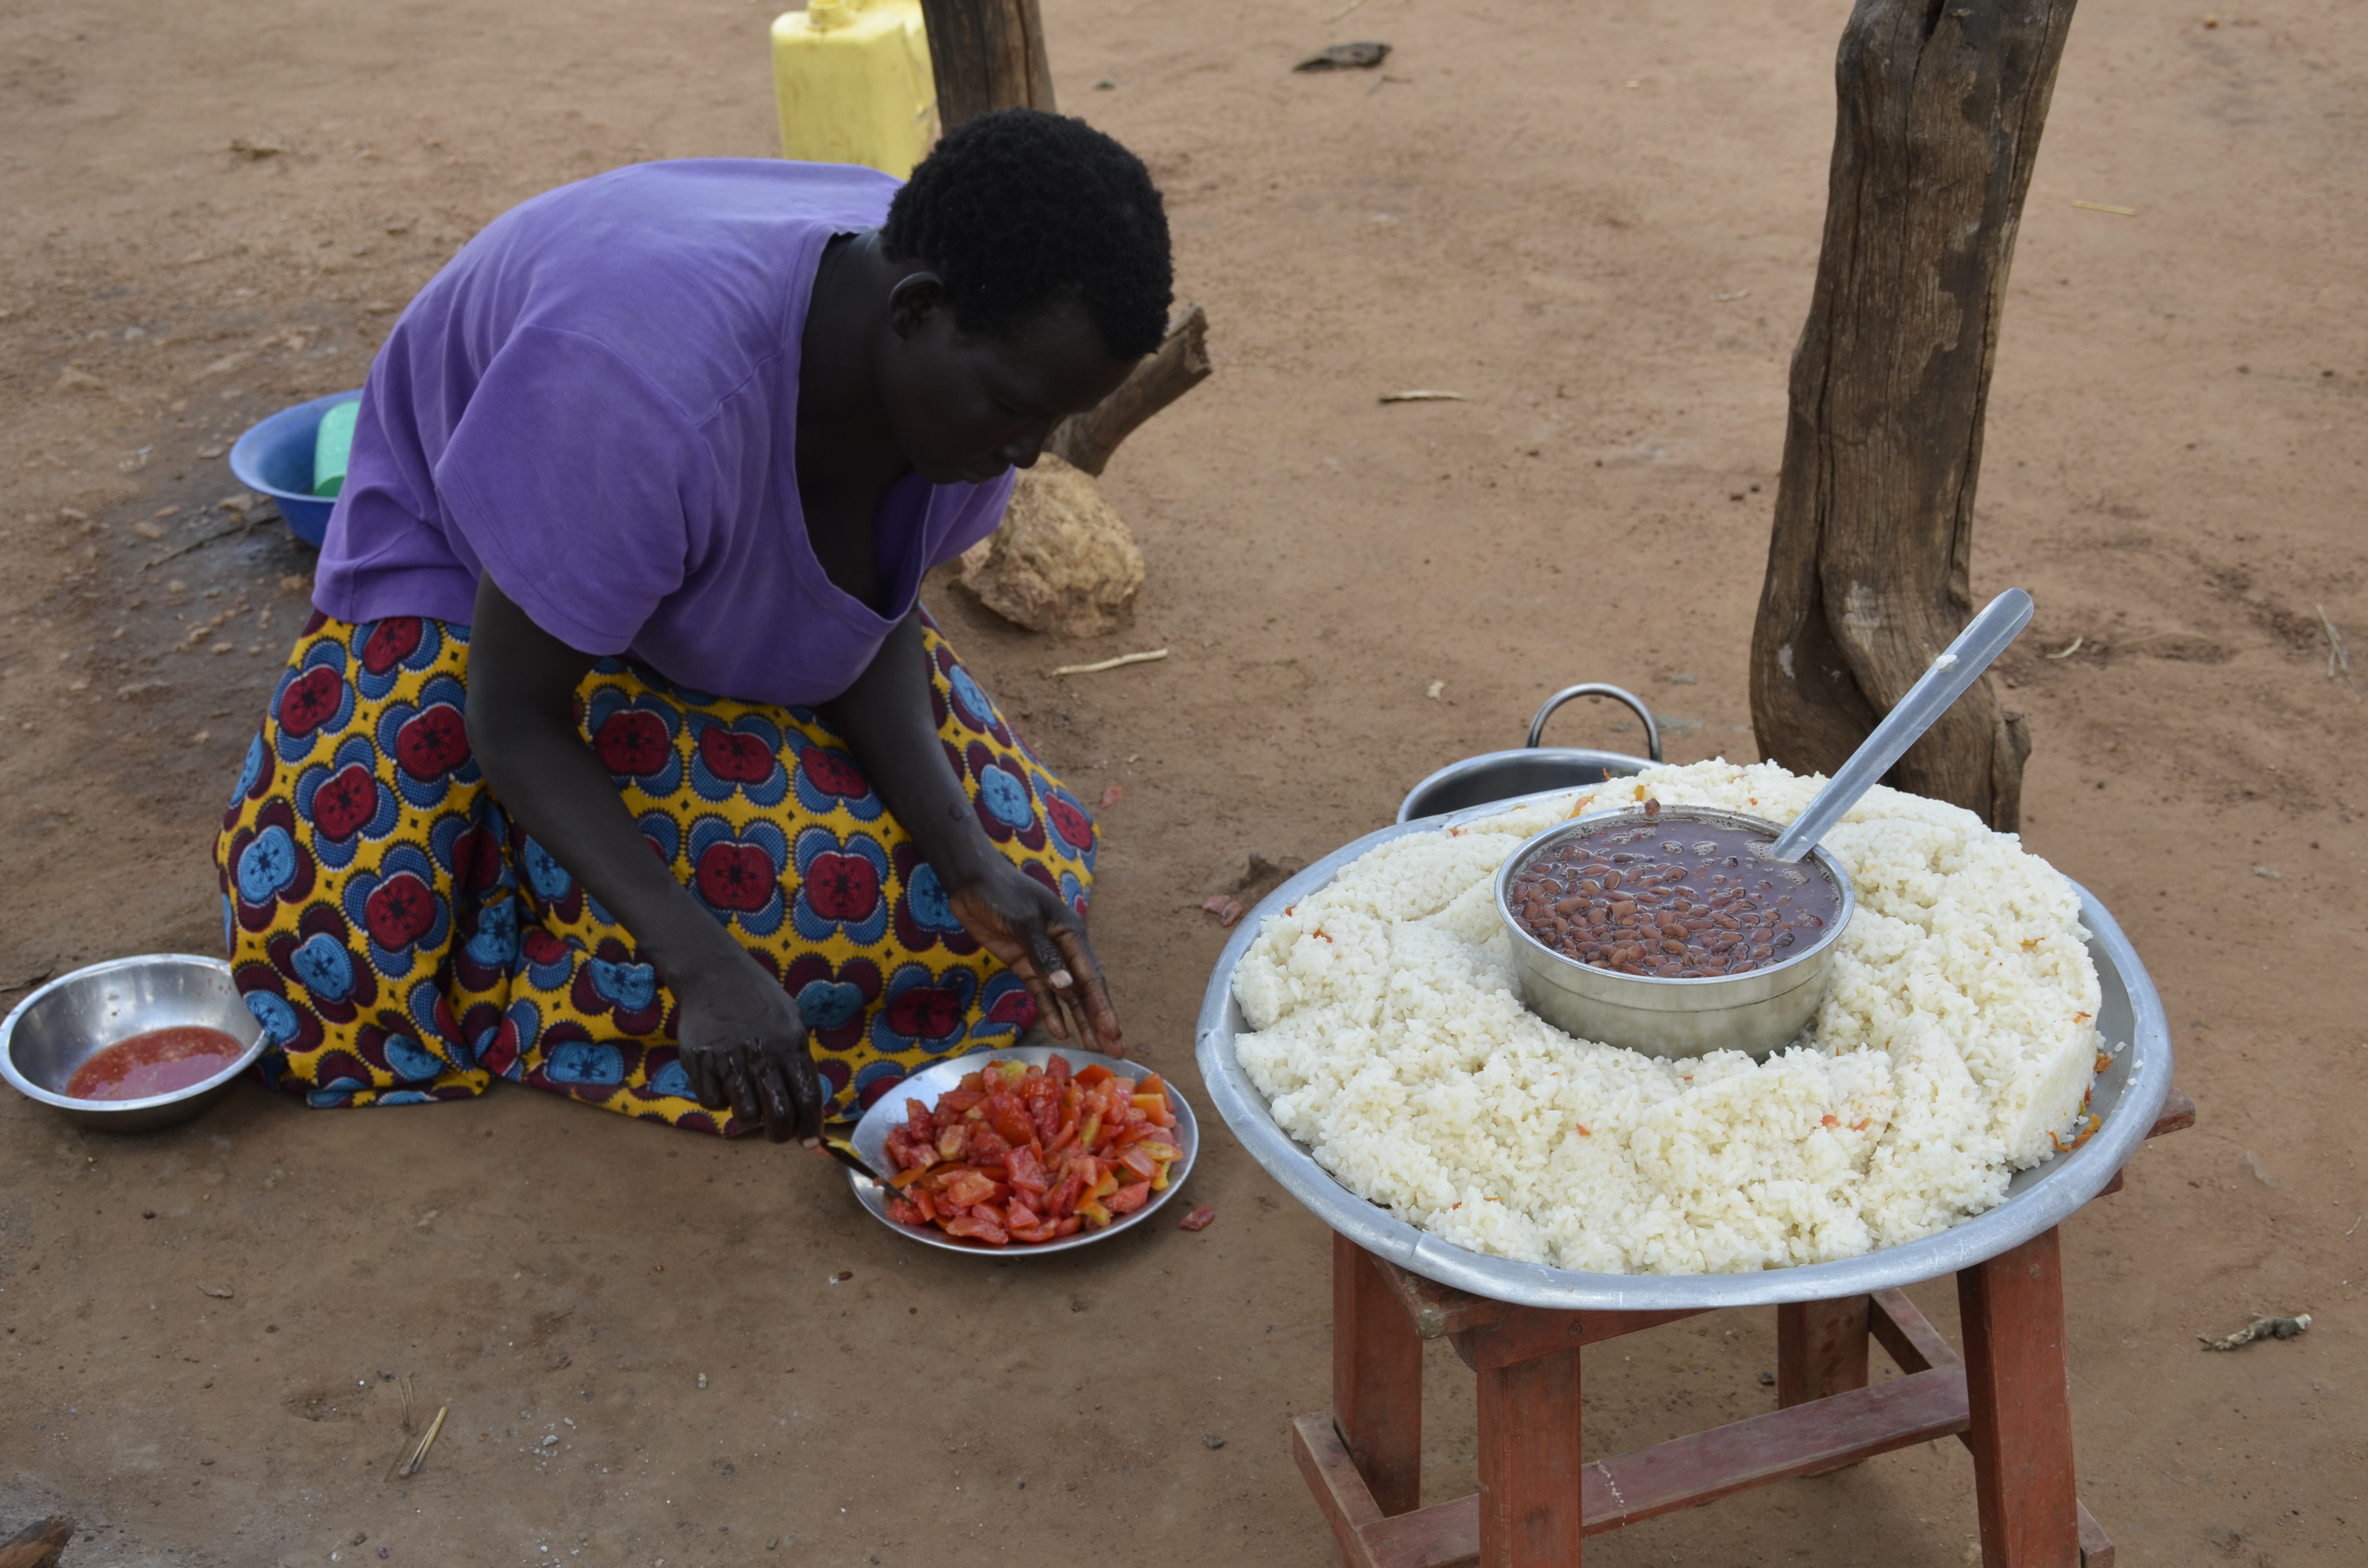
x,y
2007,1398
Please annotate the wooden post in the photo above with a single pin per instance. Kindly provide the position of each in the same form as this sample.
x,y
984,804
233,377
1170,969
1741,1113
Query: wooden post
x,y
1530,1508
987,54
1376,1380
1869,564
1820,1349
2018,1407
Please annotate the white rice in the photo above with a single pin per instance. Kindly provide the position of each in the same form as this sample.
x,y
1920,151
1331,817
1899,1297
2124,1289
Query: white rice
x,y
1957,1039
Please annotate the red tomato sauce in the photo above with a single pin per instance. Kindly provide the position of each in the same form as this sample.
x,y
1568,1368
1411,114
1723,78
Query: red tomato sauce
x,y
156,1062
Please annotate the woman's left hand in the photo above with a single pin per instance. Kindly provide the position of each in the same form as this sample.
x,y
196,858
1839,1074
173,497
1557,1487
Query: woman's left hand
x,y
1032,932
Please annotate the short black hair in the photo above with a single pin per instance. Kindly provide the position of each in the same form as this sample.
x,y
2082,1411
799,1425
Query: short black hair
x,y
1018,210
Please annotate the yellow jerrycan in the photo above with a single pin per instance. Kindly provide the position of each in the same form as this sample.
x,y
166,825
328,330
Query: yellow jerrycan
x,y
853,83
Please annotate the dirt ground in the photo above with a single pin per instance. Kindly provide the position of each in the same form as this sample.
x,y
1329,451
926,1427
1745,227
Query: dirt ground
x,y
1598,222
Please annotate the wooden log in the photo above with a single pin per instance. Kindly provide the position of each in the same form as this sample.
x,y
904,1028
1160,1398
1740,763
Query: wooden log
x,y
2019,1407
1870,560
1376,1380
38,1544
987,54
1179,363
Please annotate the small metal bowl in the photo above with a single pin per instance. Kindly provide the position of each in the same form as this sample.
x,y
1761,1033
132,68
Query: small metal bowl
x,y
1755,1013
76,1017
870,1141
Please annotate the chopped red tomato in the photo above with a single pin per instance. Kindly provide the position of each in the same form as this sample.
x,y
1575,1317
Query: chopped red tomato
x,y
1022,1169
975,1229
967,1189
1009,1118
1028,1154
1199,1219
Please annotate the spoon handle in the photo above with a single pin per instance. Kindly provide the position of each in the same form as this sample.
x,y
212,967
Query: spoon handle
x,y
1983,640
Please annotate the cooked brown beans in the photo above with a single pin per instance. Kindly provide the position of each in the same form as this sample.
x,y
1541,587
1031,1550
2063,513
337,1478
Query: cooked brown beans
x,y
1670,896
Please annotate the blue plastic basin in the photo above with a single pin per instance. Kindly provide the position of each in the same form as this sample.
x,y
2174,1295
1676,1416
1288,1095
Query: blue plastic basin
x,y
275,459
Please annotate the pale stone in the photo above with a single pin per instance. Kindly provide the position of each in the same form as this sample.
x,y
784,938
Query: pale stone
x,y
1062,562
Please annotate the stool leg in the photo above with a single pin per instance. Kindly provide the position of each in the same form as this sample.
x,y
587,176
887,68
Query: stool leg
x,y
1820,1348
1529,1509
1376,1380
2021,1407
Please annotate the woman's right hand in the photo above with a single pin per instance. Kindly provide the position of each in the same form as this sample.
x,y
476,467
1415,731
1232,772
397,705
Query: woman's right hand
x,y
742,1043
744,1049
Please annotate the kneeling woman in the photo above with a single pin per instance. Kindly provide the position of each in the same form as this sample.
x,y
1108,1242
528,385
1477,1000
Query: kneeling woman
x,y
619,758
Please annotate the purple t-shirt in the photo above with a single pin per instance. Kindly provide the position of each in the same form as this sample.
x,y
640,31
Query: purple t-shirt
x,y
597,401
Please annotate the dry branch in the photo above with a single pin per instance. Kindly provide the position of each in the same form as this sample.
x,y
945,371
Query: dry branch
x,y
1179,363
38,1545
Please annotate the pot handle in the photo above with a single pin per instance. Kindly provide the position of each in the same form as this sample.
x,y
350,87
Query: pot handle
x,y
1597,688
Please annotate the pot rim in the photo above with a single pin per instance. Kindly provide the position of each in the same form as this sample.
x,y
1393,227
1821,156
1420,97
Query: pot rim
x,y
1768,981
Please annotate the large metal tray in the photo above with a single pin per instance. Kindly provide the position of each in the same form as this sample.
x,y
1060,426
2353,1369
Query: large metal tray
x,y
2128,1098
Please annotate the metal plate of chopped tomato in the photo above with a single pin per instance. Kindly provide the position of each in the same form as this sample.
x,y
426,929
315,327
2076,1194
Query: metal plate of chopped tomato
x,y
977,1162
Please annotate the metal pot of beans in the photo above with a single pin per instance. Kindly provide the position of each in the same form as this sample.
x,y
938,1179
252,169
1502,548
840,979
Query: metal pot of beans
x,y
1529,768
1682,931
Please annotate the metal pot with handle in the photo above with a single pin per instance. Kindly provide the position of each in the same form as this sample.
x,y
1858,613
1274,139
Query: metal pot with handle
x,y
1532,768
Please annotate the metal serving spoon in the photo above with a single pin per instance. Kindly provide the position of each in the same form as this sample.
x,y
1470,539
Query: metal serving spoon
x,y
1983,640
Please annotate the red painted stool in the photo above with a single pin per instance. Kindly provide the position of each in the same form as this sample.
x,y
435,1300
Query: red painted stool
x,y
2007,1398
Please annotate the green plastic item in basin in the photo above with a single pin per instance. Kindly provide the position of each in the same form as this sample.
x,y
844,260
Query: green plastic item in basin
x,y
332,446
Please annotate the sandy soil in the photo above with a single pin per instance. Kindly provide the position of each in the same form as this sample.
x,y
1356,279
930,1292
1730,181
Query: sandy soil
x,y
1599,224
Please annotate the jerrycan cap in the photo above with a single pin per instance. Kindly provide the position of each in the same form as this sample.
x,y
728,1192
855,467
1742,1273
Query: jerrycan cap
x,y
828,15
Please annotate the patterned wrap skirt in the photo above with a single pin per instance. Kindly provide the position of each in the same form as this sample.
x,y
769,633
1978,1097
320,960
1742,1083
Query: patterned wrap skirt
x,y
401,940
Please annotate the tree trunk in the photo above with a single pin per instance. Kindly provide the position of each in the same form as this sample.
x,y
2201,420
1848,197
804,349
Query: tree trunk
x,y
38,1544
1941,104
987,54
1179,363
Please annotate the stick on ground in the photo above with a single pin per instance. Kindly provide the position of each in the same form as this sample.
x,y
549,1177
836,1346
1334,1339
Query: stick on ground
x,y
1154,656
2339,661
409,1464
